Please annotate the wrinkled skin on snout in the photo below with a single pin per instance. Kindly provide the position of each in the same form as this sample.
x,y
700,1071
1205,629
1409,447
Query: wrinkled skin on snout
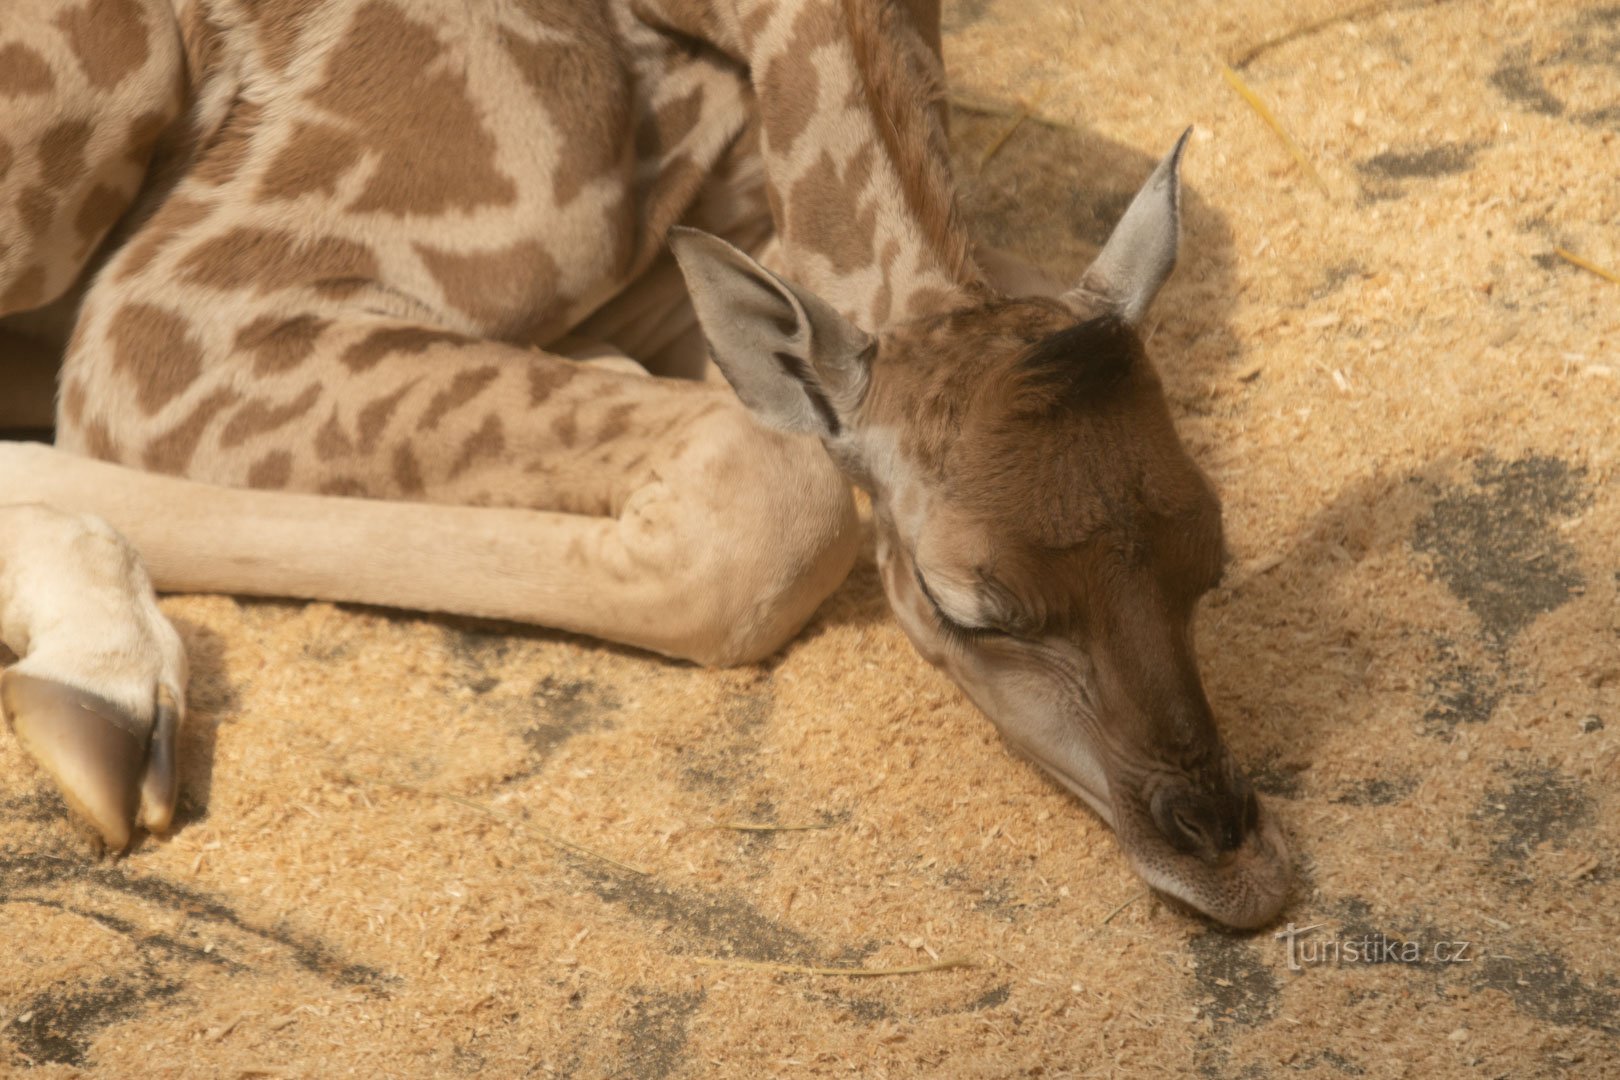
x,y
1042,534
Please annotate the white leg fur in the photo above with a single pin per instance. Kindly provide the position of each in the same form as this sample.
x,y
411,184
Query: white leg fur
x,y
99,691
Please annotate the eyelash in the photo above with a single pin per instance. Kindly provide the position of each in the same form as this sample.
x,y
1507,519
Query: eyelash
x,y
957,632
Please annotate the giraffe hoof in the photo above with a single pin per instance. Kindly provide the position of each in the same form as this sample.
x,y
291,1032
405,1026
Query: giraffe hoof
x,y
109,765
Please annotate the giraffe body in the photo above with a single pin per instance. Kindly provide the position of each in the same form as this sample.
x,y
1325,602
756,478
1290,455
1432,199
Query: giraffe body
x,y
358,300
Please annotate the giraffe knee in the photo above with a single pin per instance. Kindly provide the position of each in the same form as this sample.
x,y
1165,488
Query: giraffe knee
x,y
785,535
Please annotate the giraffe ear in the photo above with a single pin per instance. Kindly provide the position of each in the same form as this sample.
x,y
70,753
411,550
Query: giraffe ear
x,y
792,359
1140,252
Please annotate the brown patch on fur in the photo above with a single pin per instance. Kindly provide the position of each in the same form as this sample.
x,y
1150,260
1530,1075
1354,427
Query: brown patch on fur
x,y
280,344
368,352
61,152
375,416
503,290
23,72
488,441
344,486
565,428
100,444
593,118
332,441
314,158
27,290
108,37
271,472
268,260
388,78
790,88
826,212
223,158
173,218
407,473
7,156
664,129
615,425
259,417
547,376
154,350
37,208
172,451
100,208
755,22
466,386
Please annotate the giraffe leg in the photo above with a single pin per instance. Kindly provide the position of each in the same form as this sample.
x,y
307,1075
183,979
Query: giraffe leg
x,y
656,512
99,692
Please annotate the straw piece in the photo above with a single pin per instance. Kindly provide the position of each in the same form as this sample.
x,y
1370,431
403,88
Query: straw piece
x,y
1110,916
1355,13
748,826
862,973
1024,113
548,837
1265,113
1588,265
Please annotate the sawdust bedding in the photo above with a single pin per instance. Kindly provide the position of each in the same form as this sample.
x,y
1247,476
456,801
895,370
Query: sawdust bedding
x,y
1408,401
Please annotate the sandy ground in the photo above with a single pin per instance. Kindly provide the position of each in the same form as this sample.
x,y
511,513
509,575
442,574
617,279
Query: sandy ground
x,y
1408,402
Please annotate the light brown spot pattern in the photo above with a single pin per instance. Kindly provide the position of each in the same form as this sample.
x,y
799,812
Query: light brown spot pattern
x,y
98,211
173,217
368,352
593,114
61,152
172,451
388,78
271,472
489,441
504,290
790,88
375,416
267,260
152,348
826,213
23,72
280,344
108,37
466,386
407,473
313,159
37,208
548,376
25,291
259,417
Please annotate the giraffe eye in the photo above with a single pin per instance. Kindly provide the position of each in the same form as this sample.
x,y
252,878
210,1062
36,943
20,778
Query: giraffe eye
x,y
946,623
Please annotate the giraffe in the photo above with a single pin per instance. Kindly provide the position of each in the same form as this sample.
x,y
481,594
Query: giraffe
x,y
415,302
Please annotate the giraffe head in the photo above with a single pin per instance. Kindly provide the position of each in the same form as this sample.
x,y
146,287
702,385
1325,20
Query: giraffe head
x,y
1042,534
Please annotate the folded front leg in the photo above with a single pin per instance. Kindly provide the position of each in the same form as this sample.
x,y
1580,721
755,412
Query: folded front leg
x,y
99,692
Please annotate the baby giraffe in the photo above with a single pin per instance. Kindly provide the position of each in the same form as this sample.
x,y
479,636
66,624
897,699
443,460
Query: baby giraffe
x,y
366,314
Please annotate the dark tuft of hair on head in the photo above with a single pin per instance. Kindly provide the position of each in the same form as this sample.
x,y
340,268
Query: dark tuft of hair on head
x,y
1081,363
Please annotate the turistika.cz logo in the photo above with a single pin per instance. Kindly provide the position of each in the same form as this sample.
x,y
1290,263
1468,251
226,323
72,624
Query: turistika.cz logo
x,y
1308,949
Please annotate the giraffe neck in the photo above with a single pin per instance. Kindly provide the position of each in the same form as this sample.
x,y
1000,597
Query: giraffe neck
x,y
856,154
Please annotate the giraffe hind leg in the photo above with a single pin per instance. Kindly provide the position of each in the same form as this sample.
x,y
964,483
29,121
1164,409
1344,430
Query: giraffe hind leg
x,y
98,694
